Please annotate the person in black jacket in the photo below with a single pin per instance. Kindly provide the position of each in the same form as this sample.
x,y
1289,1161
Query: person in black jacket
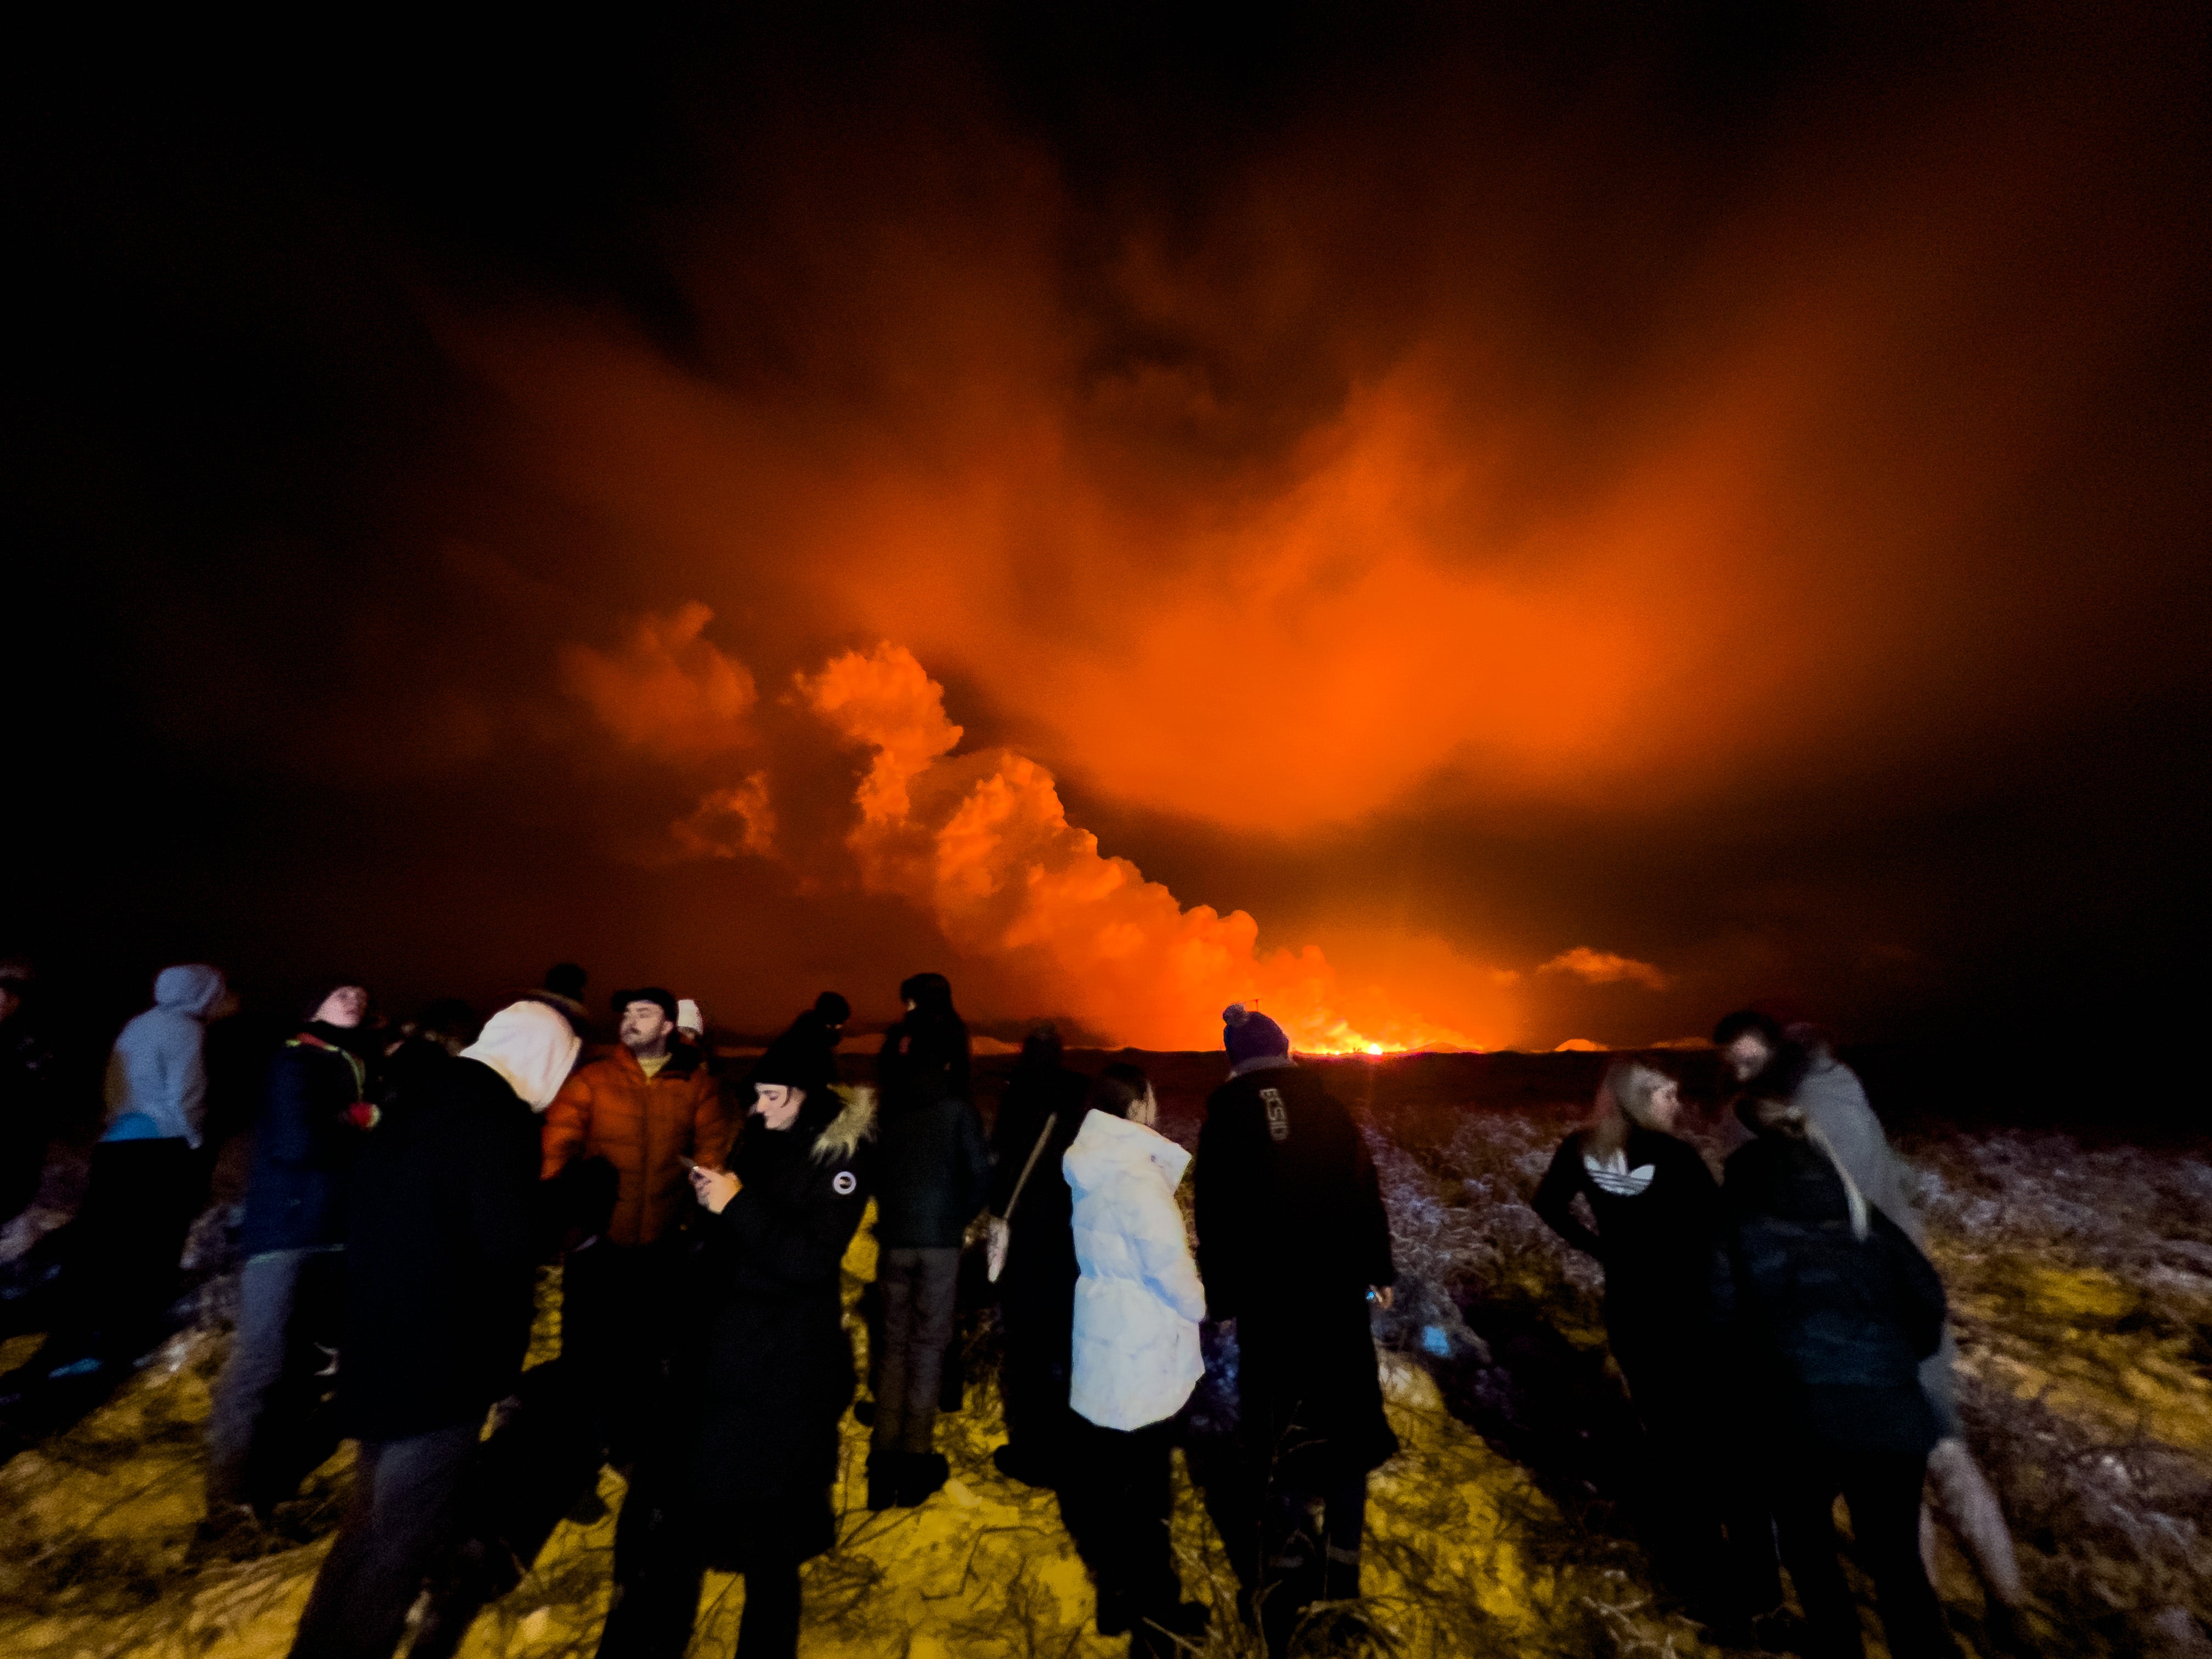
x,y
27,1083
262,1434
808,1046
1658,1235
740,1478
440,1256
1292,1243
1038,1118
1840,1307
931,1174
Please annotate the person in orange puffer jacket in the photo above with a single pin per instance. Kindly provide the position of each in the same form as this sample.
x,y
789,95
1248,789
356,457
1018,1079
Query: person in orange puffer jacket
x,y
643,1109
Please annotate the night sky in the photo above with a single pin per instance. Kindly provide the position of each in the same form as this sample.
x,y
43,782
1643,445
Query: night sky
x,y
1582,516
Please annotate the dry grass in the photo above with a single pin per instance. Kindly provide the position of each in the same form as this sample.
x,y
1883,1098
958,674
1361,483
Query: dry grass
x,y
2083,1280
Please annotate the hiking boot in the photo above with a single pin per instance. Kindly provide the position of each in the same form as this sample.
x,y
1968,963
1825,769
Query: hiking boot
x,y
1113,1612
920,1474
883,1480
1018,1463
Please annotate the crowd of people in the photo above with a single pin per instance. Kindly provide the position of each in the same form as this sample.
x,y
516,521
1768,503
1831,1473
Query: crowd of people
x,y
1780,1330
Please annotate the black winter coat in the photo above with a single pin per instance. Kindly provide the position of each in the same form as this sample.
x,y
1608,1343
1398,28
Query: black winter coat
x,y
933,1166
752,1441
1840,1323
439,1257
1291,1232
1661,1249
922,1059
303,1147
27,1080
1039,1281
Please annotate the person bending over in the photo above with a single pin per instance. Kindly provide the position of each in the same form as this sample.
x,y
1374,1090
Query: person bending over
x,y
1795,1067
1837,1308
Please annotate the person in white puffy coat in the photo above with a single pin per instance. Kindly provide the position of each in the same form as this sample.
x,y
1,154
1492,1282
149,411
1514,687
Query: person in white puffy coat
x,y
1135,1361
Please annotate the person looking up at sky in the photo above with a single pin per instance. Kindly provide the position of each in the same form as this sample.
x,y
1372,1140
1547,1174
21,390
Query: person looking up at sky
x,y
315,1108
649,1111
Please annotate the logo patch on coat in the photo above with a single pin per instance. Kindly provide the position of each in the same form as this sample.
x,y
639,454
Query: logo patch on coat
x,y
842,1183
1278,1116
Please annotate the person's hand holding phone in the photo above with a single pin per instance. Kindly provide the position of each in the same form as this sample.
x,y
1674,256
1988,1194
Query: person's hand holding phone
x,y
715,1187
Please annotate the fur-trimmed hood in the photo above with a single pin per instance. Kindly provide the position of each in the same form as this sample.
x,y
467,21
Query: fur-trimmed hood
x,y
855,1123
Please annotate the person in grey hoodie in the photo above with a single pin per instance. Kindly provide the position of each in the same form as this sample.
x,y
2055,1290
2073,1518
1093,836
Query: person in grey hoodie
x,y
1793,1065
148,1177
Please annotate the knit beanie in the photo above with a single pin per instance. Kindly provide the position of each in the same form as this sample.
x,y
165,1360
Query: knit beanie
x,y
664,1000
1247,1035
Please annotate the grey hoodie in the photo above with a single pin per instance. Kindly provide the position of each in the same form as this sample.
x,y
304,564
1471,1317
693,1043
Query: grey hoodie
x,y
158,1070
1835,1103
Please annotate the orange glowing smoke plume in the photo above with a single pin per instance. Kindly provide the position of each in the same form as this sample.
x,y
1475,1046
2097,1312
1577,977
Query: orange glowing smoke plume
x,y
981,843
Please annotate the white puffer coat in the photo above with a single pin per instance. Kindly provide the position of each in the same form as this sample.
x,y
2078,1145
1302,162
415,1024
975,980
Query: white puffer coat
x,y
1138,1304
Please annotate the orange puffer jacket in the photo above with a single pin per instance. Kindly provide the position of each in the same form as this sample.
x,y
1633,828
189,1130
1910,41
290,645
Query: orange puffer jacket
x,y
610,1108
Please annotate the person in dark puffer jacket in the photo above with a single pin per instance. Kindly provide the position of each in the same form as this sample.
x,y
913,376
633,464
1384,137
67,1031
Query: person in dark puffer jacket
x,y
931,1172
440,1260
1838,1308
263,1437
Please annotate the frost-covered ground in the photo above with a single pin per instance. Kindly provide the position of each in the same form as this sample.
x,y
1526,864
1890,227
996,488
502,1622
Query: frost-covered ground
x,y
2082,1278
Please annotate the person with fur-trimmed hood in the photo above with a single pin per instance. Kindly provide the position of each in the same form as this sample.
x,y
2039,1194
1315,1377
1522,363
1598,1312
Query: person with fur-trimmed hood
x,y
738,1477
1292,1242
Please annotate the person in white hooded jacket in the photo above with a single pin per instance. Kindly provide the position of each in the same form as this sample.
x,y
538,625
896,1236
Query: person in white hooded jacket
x,y
1135,1359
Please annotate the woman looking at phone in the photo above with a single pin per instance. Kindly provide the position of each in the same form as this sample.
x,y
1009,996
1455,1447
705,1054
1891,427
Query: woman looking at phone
x,y
738,1478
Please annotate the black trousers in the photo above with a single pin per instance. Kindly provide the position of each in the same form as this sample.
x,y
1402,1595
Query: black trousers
x,y
1117,1499
919,1289
399,1520
125,1245
1882,1490
1033,1377
617,1311
1701,1504
660,1561
1309,1543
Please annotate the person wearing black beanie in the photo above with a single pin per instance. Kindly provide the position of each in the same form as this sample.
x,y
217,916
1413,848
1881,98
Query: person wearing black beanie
x,y
1293,1243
